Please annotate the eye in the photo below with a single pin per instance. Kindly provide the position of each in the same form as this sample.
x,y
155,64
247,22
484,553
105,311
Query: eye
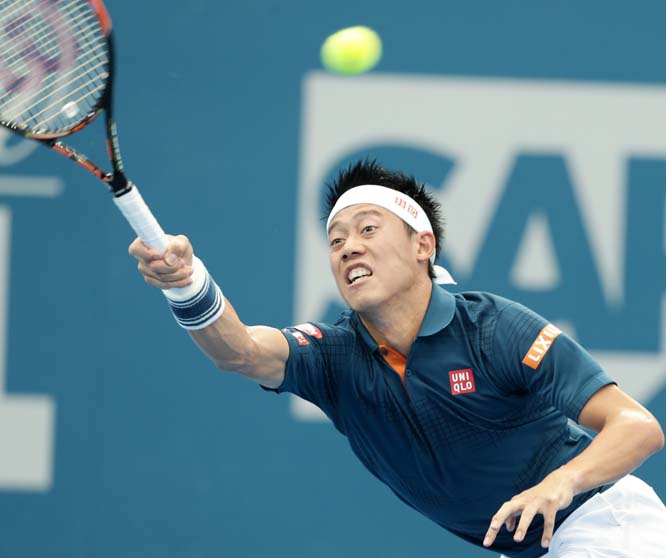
x,y
335,242
369,229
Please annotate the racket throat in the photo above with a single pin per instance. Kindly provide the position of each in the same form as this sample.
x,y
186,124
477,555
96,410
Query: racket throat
x,y
117,180
79,158
119,185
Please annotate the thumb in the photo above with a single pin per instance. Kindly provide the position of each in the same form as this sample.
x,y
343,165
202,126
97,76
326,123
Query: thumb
x,y
170,258
174,252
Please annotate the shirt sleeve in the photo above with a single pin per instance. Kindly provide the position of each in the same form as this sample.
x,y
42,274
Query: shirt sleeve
x,y
310,373
532,355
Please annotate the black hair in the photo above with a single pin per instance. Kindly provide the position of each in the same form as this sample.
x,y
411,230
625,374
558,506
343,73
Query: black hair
x,y
368,171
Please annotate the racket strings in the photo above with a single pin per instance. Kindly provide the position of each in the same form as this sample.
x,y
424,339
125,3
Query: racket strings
x,y
94,63
53,43
54,64
25,38
47,114
27,31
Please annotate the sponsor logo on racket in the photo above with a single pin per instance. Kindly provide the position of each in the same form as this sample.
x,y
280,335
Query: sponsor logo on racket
x,y
462,381
541,346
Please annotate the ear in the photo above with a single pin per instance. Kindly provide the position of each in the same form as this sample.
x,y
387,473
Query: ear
x,y
426,246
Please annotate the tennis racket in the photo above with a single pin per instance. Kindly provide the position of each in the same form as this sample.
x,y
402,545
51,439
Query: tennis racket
x,y
56,77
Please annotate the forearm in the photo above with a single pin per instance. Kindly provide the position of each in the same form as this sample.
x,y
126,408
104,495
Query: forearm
x,y
226,341
622,444
626,438
259,353
198,305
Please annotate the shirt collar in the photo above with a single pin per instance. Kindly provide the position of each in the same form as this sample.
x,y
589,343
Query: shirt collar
x,y
439,314
440,311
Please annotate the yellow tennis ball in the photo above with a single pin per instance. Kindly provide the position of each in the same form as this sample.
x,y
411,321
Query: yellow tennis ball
x,y
351,51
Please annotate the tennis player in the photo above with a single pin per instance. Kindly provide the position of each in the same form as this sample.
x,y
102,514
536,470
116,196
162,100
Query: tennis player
x,y
466,405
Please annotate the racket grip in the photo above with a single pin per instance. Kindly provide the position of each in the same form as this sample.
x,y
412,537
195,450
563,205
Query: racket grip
x,y
141,219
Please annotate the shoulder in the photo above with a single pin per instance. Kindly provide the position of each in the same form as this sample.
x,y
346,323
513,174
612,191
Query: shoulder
x,y
484,305
496,321
483,308
342,332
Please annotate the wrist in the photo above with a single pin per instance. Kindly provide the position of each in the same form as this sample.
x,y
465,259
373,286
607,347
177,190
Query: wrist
x,y
199,304
570,476
199,273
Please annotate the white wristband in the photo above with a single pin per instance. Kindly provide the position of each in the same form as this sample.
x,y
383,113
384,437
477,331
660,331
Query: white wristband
x,y
199,304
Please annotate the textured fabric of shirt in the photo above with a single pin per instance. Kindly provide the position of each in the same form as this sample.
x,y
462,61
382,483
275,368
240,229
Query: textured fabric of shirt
x,y
471,425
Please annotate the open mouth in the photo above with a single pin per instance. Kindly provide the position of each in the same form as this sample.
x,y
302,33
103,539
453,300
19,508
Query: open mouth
x,y
357,274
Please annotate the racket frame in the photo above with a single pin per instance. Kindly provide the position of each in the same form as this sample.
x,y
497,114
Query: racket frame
x,y
116,180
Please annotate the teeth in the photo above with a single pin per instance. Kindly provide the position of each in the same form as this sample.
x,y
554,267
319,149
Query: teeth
x,y
358,272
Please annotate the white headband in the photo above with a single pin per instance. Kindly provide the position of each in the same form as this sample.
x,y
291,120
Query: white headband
x,y
397,203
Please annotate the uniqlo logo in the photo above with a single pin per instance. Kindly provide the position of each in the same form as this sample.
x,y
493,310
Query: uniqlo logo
x,y
302,341
462,381
310,329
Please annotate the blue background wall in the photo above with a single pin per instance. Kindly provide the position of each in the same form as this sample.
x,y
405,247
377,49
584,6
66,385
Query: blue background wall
x,y
155,452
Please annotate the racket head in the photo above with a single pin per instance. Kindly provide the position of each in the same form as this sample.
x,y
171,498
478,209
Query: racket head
x,y
56,65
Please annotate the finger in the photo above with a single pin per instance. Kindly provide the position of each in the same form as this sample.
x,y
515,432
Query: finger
x,y
548,526
179,249
151,270
526,518
179,275
188,253
162,285
507,510
160,267
145,270
143,252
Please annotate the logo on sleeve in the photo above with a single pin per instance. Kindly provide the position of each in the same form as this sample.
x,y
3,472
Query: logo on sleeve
x,y
300,338
462,381
311,330
541,346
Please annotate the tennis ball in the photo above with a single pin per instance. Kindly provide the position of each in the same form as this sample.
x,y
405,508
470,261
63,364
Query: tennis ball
x,y
351,51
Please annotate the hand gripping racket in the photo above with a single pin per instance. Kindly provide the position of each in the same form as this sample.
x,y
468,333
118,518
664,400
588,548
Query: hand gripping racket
x,y
56,76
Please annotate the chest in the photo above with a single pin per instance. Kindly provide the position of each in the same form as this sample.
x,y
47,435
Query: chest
x,y
444,384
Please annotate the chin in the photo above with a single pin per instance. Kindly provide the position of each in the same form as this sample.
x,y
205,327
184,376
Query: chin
x,y
365,299
363,302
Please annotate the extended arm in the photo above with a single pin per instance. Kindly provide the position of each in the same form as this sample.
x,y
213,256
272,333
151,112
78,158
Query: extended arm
x,y
257,352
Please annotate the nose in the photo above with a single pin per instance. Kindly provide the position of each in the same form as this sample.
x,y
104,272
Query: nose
x,y
353,247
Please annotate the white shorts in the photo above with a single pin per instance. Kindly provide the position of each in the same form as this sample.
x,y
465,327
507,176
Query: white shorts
x,y
626,521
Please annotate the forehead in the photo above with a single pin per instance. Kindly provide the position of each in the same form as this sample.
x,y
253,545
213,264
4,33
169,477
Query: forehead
x,y
358,211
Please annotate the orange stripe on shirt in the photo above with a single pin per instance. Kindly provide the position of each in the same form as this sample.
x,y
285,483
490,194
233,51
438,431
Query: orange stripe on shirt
x,y
394,359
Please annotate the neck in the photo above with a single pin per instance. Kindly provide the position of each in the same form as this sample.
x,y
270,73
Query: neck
x,y
397,322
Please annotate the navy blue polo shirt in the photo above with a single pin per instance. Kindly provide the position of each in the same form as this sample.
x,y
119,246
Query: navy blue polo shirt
x,y
481,414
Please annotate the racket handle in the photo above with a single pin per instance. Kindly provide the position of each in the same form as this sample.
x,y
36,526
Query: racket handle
x,y
141,219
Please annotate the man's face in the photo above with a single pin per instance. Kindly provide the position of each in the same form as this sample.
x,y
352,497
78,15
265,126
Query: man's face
x,y
373,256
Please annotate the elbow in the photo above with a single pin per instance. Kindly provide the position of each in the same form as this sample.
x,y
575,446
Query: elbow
x,y
645,431
659,436
654,434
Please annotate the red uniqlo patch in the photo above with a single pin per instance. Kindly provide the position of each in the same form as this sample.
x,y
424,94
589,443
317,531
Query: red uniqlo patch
x,y
462,381
310,329
300,338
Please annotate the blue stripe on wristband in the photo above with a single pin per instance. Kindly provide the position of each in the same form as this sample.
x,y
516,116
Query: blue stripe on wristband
x,y
202,309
